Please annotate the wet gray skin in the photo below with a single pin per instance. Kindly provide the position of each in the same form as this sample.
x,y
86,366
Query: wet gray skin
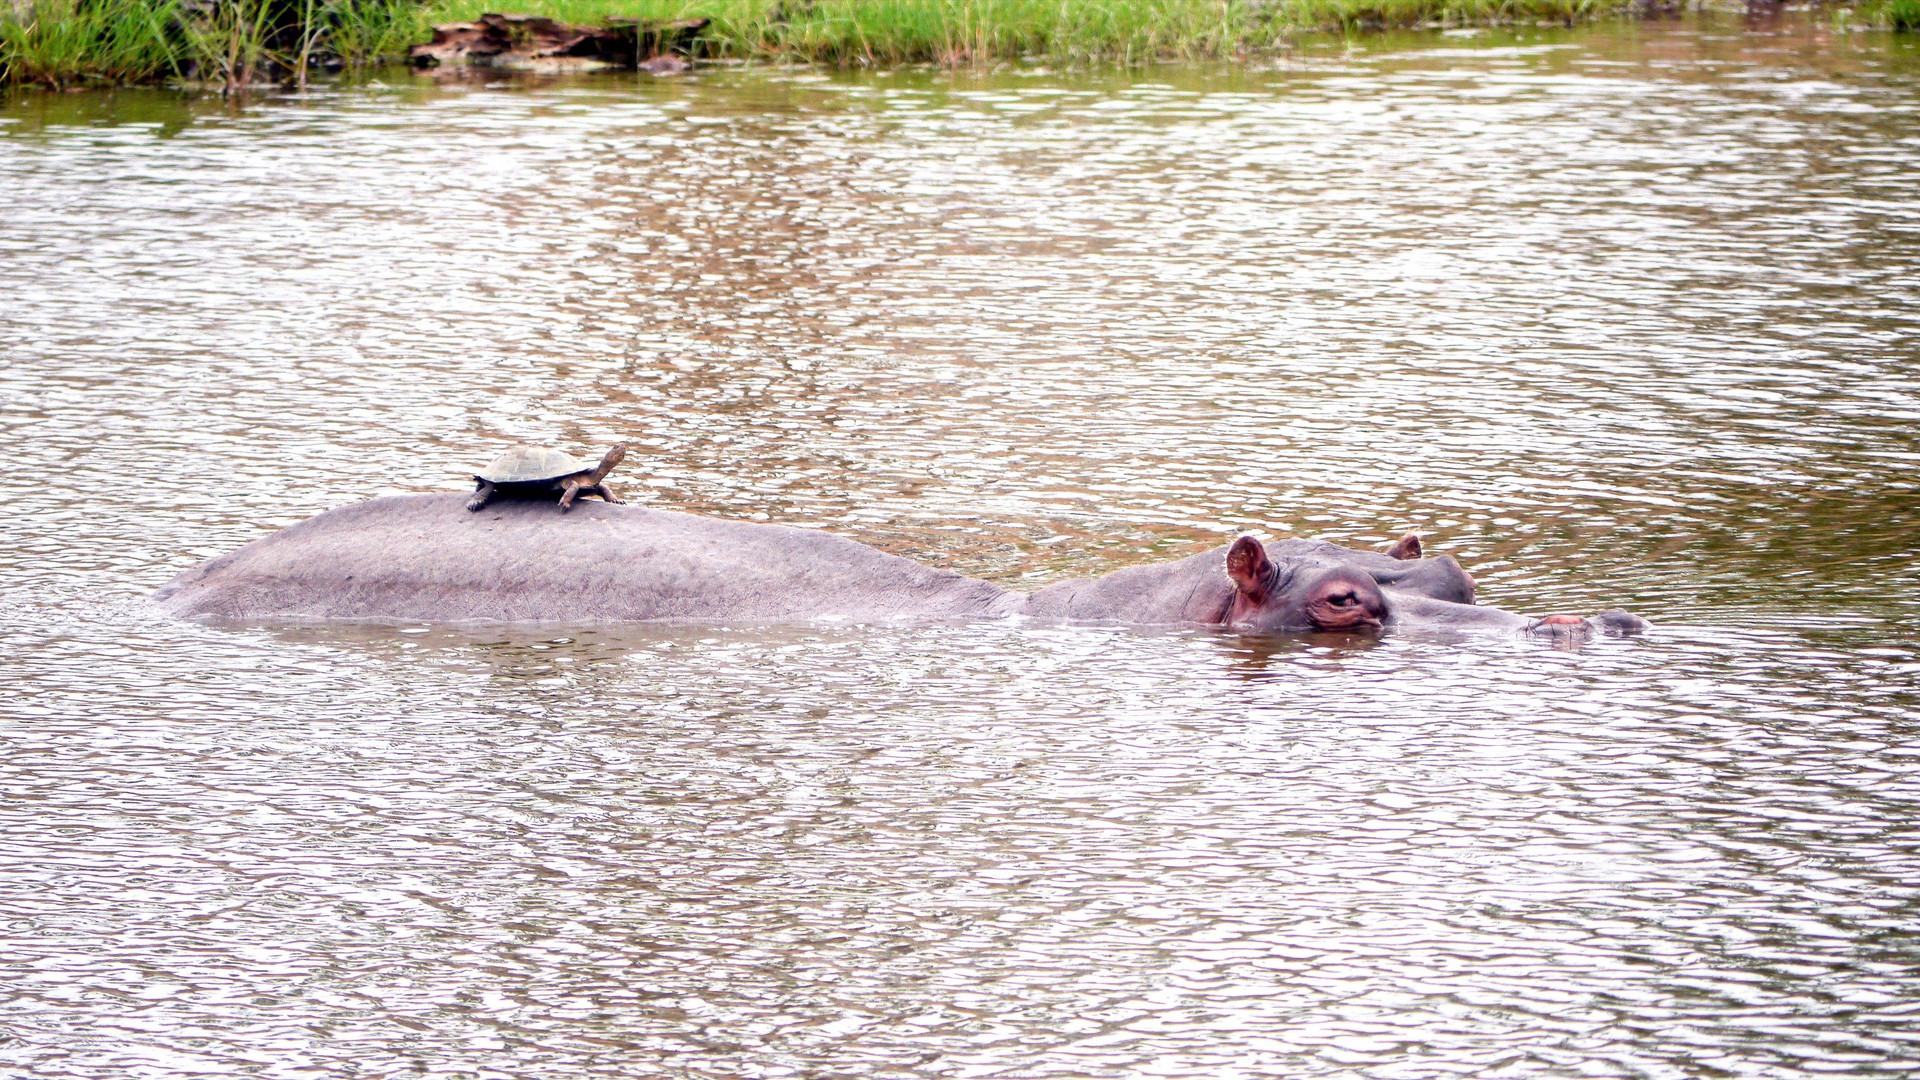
x,y
423,558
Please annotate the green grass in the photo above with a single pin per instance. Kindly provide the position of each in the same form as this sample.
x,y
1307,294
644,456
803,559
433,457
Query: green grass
x,y
1894,14
232,43
65,42
372,31
953,32
225,43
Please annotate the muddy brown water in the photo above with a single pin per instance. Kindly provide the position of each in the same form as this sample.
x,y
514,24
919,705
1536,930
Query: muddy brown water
x,y
1623,315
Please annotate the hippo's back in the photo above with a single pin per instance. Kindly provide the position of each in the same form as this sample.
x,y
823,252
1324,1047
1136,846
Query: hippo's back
x,y
427,558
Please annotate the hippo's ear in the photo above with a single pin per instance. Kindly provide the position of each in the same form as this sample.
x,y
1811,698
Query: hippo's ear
x,y
1407,548
1247,565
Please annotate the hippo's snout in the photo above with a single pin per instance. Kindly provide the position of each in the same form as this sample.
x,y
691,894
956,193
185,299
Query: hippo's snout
x,y
1614,622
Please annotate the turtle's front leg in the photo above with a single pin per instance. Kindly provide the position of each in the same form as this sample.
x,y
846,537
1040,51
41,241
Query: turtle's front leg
x,y
480,496
604,492
573,489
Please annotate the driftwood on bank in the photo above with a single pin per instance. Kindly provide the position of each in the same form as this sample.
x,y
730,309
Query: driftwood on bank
x,y
528,40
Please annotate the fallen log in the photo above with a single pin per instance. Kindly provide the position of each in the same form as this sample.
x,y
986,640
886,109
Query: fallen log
x,y
495,40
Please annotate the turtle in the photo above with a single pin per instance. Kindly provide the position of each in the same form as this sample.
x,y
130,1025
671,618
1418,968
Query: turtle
x,y
538,470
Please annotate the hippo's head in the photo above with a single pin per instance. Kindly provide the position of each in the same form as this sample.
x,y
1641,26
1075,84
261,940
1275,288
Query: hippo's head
x,y
1267,597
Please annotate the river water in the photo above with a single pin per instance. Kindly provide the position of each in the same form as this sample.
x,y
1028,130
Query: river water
x,y
1624,315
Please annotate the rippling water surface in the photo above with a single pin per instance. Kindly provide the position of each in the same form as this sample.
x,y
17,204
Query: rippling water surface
x,y
1618,316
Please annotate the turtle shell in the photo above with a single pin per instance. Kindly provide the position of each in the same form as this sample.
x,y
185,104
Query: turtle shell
x,y
529,465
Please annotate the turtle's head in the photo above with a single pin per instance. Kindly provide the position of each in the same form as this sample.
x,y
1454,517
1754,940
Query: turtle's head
x,y
614,457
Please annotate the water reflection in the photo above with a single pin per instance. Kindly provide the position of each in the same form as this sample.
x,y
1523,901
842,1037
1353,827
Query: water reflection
x,y
1617,316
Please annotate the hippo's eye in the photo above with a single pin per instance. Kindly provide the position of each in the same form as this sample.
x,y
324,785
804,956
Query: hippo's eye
x,y
1343,600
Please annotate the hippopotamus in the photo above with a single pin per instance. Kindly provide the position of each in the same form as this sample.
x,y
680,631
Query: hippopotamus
x,y
426,558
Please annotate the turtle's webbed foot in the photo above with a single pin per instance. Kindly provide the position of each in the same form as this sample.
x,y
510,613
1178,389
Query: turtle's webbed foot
x,y
606,493
566,500
480,497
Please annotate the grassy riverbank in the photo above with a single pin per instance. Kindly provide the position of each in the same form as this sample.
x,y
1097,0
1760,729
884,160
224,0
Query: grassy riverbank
x,y
885,32
237,42
66,43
